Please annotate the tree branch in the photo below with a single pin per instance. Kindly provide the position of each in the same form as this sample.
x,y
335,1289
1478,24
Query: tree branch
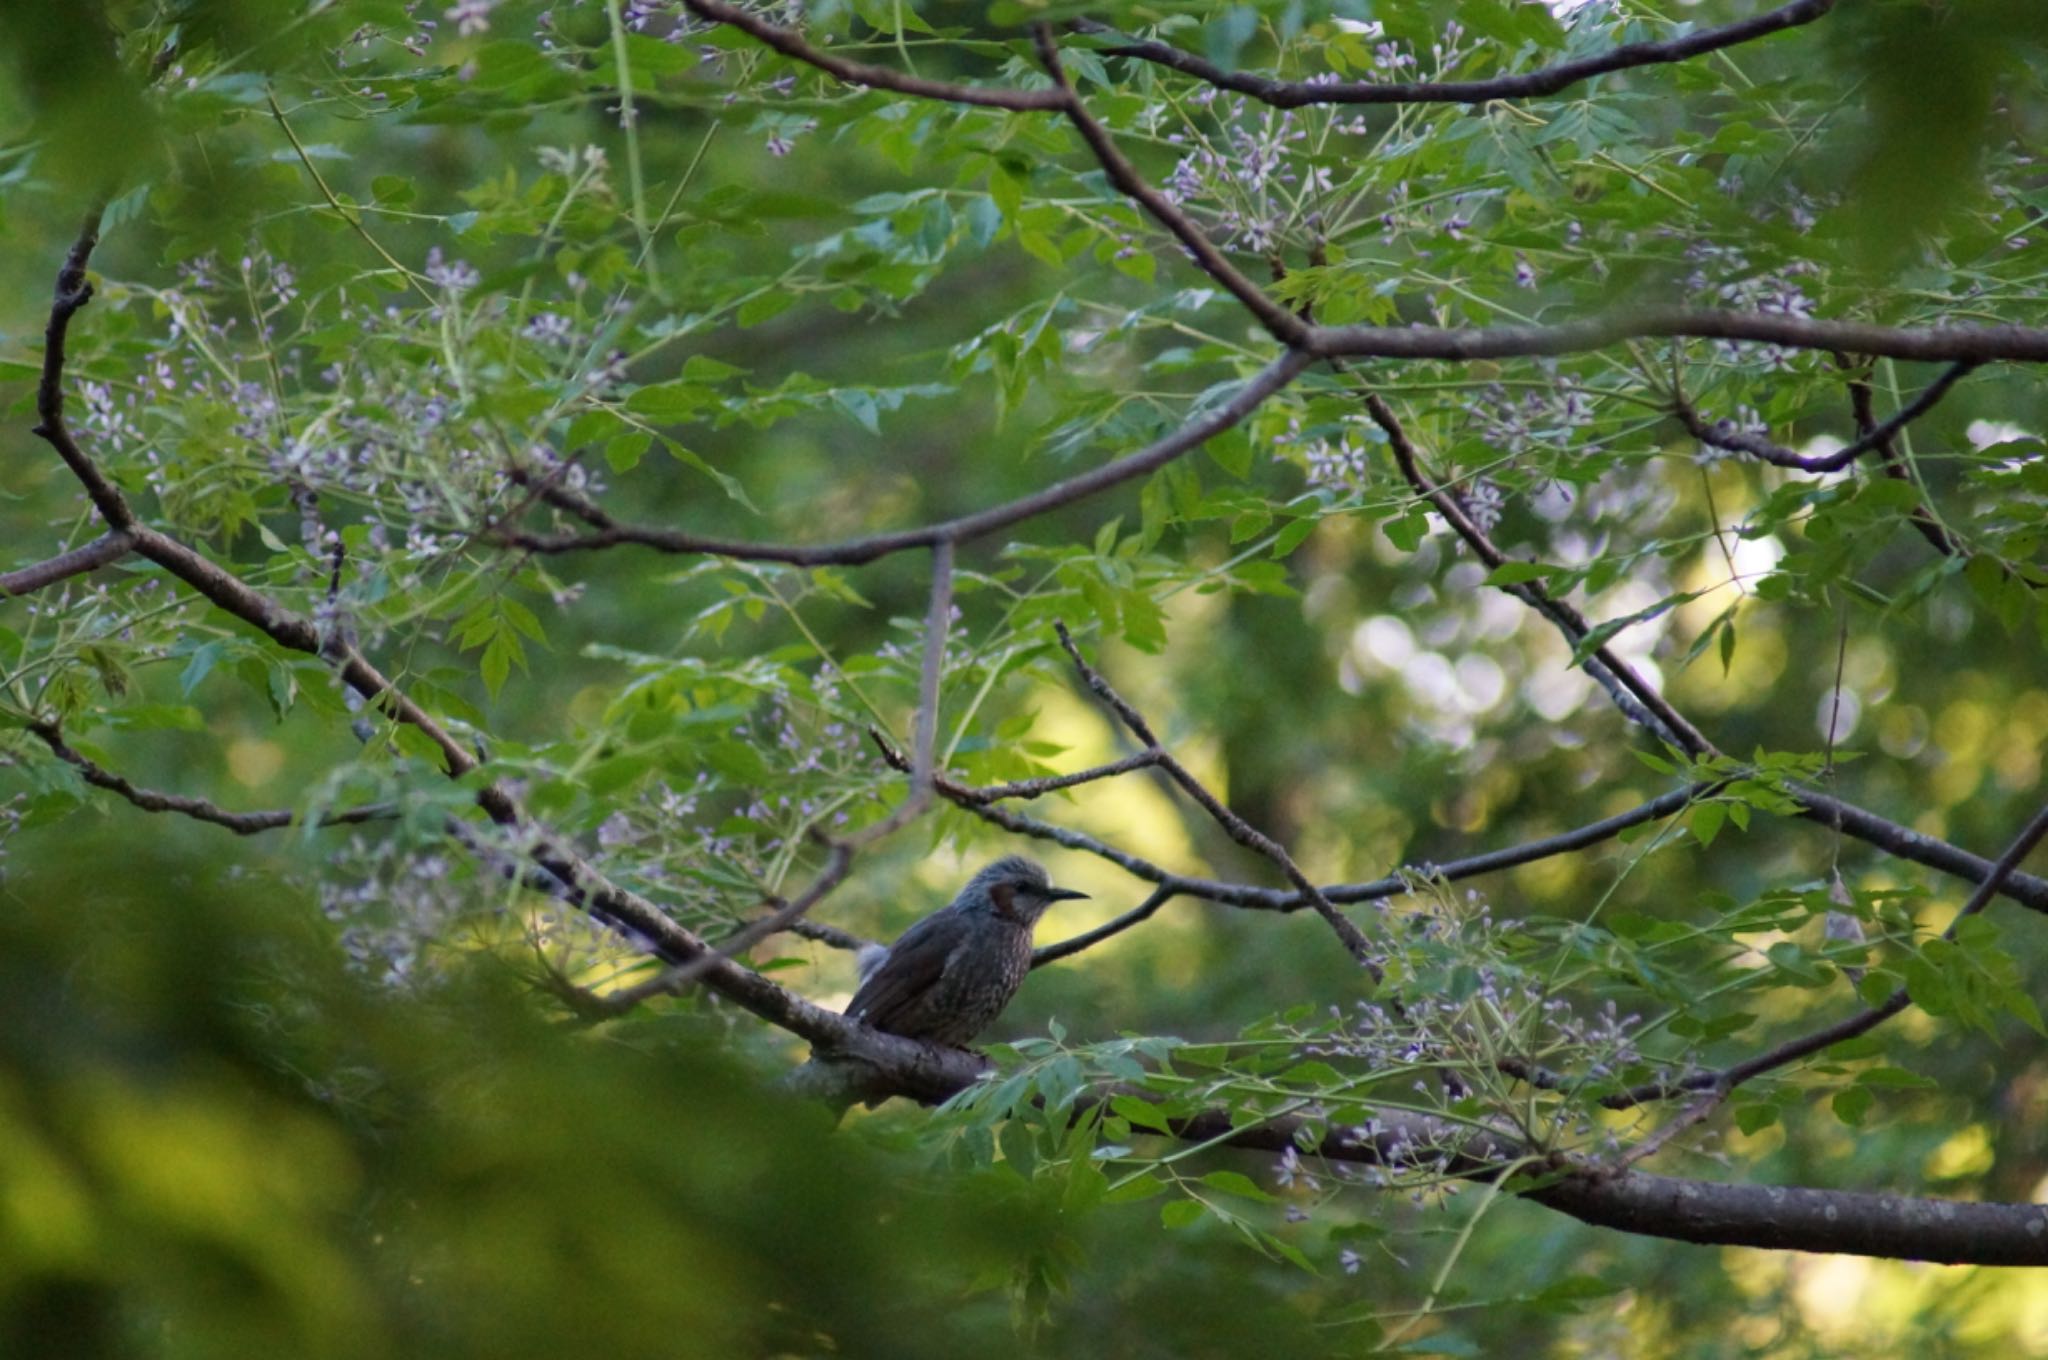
x,y
1937,344
199,809
1721,436
1735,1074
1283,324
1239,830
1922,516
1053,953
792,45
1669,723
108,547
1052,783
964,529
1889,836
1289,94
785,916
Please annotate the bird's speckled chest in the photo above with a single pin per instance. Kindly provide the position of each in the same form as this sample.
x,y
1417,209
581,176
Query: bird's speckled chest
x,y
981,974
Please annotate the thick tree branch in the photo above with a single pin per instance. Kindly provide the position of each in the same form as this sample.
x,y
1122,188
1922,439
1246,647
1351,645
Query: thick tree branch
x,y
108,547
1783,1218
1288,94
1936,344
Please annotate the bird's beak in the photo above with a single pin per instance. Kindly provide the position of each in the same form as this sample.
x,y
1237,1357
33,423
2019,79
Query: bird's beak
x,y
1063,894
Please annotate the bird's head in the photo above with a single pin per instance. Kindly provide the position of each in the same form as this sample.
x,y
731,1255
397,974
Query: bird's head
x,y
1014,889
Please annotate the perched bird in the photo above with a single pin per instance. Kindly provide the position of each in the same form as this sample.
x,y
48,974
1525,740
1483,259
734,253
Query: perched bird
x,y
952,973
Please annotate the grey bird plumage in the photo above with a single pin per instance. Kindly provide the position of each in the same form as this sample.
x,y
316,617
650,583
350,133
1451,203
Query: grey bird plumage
x,y
949,976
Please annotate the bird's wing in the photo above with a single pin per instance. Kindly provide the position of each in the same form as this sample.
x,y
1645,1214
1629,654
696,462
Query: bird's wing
x,y
915,962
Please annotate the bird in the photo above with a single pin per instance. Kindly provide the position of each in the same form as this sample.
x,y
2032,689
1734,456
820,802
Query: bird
x,y
949,976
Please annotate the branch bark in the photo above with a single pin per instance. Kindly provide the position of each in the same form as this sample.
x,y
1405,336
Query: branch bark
x,y
1718,436
111,546
962,530
1289,94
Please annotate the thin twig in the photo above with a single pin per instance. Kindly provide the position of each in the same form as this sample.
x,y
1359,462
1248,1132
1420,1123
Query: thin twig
x,y
970,795
1115,926
1735,1074
838,860
73,291
1922,515
1239,830
1722,436
965,529
792,45
198,809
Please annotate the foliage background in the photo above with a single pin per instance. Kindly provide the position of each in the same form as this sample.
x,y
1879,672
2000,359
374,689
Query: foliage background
x,y
225,1128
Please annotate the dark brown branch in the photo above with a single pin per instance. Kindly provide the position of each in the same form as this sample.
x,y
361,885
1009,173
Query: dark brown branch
x,y
1889,836
964,529
785,916
1672,724
1906,843
793,46
108,547
74,290
547,488
1935,344
1784,1218
971,799
1721,436
1800,1218
1284,325
296,633
971,795
1393,885
1289,94
1115,926
1238,829
199,809
1792,1050
1924,522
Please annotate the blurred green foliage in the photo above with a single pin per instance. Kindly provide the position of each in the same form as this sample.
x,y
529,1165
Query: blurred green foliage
x,y
378,252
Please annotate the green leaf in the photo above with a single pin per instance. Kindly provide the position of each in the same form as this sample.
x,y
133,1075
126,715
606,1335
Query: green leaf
x,y
728,484
1852,1104
1406,532
1755,1117
1515,573
1239,1184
